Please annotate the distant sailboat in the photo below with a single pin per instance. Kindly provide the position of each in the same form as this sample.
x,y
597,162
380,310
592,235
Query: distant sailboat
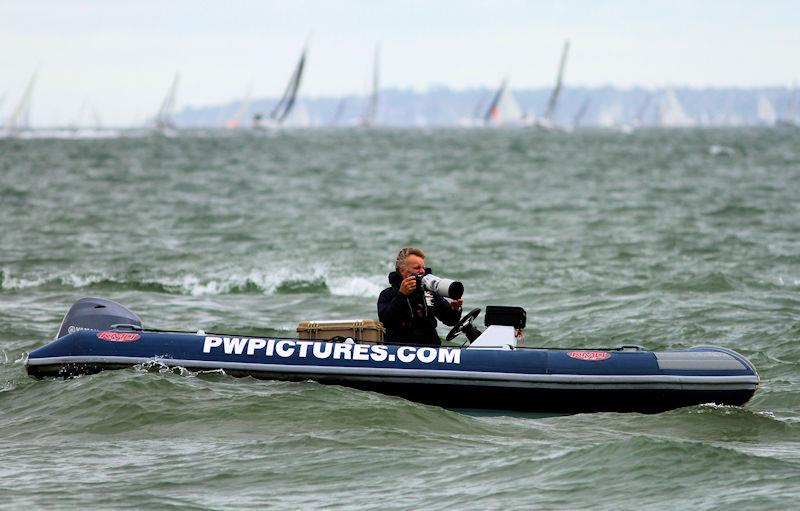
x,y
477,112
235,121
765,112
20,118
638,121
576,120
547,120
287,102
300,117
163,120
339,113
79,122
372,107
504,109
476,118
611,116
671,113
790,116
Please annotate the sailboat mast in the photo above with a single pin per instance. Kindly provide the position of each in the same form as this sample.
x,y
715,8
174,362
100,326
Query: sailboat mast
x,y
337,116
639,119
287,101
21,117
477,111
551,105
576,121
244,106
791,109
492,112
164,116
372,107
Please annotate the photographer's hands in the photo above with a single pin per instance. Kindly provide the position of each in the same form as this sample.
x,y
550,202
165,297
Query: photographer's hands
x,y
409,285
456,304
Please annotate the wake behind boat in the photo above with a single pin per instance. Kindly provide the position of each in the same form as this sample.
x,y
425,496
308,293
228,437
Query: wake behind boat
x,y
493,372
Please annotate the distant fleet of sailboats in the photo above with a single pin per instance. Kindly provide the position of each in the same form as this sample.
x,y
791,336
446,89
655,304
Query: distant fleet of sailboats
x,y
502,110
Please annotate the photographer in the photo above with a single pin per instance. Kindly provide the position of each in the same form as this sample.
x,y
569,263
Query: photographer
x,y
407,310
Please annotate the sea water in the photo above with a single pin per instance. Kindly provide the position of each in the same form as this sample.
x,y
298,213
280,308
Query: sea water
x,y
663,238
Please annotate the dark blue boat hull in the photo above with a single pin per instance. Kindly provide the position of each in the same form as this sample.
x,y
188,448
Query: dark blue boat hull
x,y
535,380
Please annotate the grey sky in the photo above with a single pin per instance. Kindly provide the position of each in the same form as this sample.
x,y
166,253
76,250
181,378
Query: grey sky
x,y
119,56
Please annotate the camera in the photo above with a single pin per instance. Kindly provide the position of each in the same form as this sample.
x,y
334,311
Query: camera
x,y
443,287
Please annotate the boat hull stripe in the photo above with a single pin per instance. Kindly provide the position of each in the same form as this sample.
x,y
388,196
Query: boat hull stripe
x,y
468,377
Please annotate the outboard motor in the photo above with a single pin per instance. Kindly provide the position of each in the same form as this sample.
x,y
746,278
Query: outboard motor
x,y
97,314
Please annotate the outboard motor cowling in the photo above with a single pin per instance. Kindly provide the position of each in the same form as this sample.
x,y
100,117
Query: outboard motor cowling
x,y
96,314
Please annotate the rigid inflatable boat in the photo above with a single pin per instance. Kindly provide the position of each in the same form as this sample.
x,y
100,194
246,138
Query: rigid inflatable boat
x,y
493,371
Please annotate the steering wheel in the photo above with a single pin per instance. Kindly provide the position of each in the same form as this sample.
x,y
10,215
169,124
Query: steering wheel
x,y
466,320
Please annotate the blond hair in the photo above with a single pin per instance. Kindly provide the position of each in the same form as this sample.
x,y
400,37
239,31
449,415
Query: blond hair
x,y
404,253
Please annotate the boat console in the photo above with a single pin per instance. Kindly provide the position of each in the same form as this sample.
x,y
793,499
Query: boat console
x,y
504,327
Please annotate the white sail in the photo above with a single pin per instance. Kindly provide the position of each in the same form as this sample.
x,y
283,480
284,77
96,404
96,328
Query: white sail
x,y
338,115
372,106
610,116
21,116
671,113
504,109
578,117
553,102
235,121
765,112
298,117
163,118
790,115
289,98
638,121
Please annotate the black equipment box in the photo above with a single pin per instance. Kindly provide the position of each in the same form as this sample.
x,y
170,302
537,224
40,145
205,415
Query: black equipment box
x,y
507,316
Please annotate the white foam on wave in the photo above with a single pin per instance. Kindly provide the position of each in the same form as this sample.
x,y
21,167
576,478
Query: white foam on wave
x,y
7,281
74,280
269,282
264,281
721,150
191,284
220,283
354,286
12,282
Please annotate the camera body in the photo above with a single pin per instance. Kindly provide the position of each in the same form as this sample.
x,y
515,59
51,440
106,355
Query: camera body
x,y
418,277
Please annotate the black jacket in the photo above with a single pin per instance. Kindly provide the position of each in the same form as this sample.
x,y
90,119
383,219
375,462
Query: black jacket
x,y
410,319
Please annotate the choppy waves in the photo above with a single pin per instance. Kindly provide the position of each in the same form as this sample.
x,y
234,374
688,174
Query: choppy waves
x,y
661,238
294,444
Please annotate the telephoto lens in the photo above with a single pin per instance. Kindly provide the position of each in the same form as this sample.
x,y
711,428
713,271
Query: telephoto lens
x,y
443,287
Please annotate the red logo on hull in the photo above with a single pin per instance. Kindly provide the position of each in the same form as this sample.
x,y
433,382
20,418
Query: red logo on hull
x,y
118,336
589,355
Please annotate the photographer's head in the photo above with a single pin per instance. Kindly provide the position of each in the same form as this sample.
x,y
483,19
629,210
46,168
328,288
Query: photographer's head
x,y
410,261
